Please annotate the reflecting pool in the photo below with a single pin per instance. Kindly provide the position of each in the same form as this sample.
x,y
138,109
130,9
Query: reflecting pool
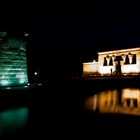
x,y
123,101
13,120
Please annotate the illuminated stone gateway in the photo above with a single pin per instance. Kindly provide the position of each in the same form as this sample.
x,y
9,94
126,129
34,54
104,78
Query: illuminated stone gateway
x,y
13,61
126,61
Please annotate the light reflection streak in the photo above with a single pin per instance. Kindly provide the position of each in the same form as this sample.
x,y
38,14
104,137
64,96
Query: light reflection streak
x,y
13,120
123,101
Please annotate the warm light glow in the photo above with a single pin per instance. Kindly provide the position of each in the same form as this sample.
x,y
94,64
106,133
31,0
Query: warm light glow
x,y
131,93
126,65
125,101
91,67
105,69
133,68
119,51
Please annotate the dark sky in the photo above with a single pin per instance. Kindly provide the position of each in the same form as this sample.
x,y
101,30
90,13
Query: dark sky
x,y
105,29
63,42
76,37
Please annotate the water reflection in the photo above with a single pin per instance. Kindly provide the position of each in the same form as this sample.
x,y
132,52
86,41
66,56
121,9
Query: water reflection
x,y
13,120
124,101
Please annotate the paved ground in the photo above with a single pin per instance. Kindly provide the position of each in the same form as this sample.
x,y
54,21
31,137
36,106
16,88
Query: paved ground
x,y
94,77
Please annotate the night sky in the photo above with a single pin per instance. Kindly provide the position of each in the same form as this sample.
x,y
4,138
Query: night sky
x,y
77,38
62,41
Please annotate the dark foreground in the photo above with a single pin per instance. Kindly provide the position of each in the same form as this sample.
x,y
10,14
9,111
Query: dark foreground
x,y
57,111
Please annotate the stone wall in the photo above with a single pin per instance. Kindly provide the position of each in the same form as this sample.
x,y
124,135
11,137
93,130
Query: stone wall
x,y
90,68
13,62
129,61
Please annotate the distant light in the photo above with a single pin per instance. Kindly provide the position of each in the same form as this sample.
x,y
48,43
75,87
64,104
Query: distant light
x,y
39,84
26,34
25,86
28,84
35,73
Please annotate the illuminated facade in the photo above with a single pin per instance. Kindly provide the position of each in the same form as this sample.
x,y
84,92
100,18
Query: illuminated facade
x,y
126,61
13,61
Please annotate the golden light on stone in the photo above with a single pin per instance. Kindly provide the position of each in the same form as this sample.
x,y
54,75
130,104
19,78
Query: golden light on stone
x,y
128,59
131,93
91,67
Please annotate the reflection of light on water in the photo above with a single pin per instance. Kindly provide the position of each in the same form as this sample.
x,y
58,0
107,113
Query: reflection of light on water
x,y
95,102
8,88
131,99
125,101
89,104
12,120
40,84
130,93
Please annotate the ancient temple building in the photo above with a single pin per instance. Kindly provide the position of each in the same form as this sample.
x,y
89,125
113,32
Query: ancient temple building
x,y
13,61
126,61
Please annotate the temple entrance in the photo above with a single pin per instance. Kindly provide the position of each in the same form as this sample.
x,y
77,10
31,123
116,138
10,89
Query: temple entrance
x,y
118,65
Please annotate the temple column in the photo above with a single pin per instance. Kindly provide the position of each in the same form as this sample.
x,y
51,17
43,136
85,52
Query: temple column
x,y
125,104
113,58
131,104
124,58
